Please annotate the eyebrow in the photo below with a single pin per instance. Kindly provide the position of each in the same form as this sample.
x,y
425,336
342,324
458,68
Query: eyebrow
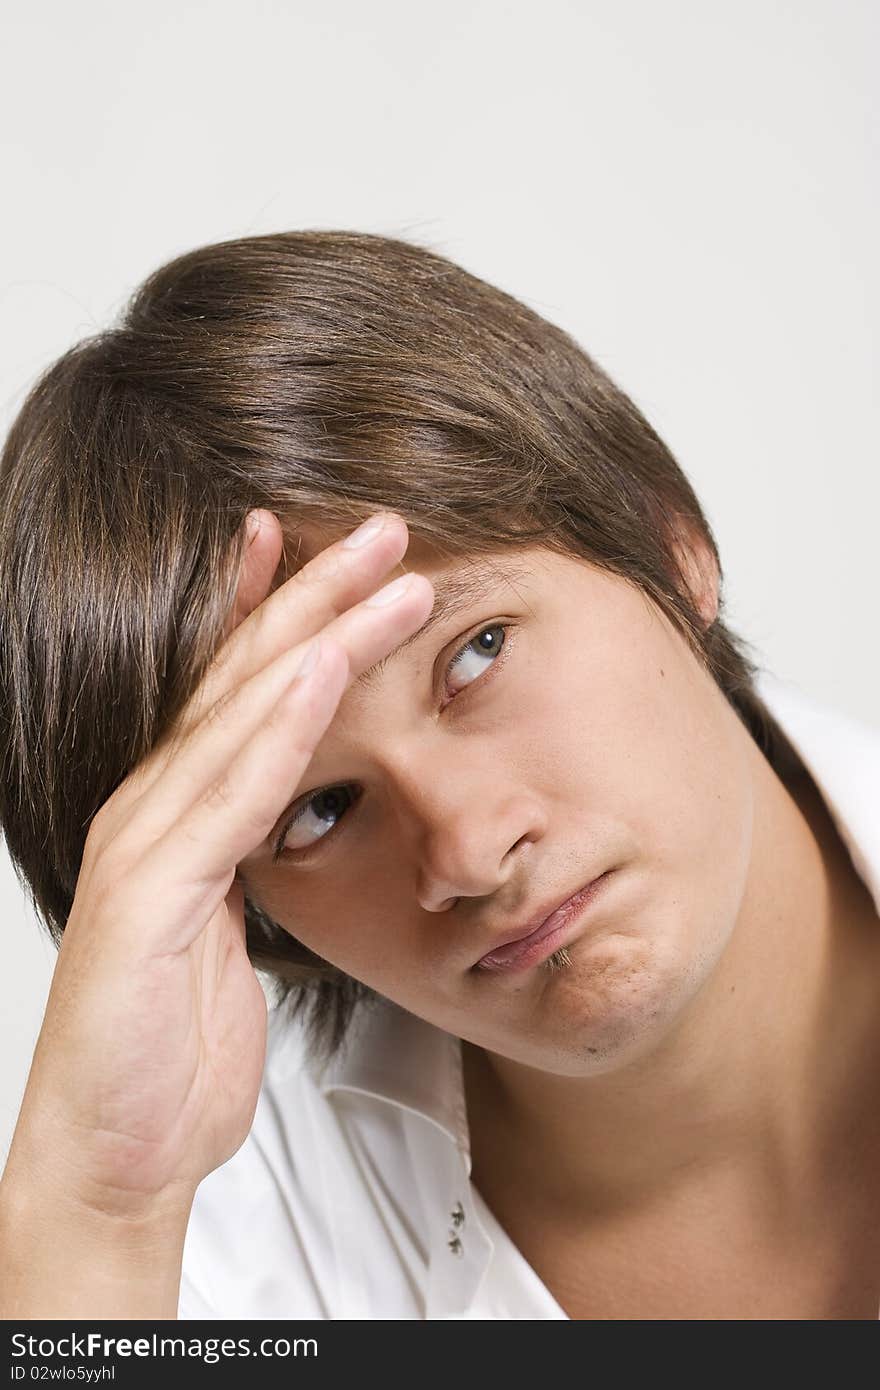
x,y
474,581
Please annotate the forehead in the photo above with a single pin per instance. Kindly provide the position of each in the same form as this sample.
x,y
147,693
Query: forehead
x,y
459,580
311,537
433,558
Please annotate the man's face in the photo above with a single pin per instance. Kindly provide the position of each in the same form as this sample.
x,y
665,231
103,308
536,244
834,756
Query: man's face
x,y
448,805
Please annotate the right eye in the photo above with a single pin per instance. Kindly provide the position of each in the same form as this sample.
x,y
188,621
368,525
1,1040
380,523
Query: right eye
x,y
313,818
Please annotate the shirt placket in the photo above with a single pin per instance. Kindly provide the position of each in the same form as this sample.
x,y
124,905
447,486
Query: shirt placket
x,y
459,1250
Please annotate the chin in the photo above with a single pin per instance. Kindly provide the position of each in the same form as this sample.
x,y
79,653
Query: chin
x,y
612,1004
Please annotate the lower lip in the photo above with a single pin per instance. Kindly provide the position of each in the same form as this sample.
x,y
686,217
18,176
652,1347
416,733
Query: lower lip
x,y
529,950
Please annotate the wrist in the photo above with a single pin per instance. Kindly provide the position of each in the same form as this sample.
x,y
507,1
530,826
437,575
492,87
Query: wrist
x,y
74,1244
44,1200
46,1170
66,1258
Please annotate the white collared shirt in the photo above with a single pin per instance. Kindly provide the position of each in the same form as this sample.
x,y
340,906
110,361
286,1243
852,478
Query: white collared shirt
x,y
351,1196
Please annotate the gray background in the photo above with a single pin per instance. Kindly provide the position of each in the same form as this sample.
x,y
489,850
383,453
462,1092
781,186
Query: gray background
x,y
689,188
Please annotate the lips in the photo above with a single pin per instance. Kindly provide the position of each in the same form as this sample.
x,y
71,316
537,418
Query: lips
x,y
510,947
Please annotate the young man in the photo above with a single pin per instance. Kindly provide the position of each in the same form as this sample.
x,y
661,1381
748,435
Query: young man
x,y
667,1110
667,1107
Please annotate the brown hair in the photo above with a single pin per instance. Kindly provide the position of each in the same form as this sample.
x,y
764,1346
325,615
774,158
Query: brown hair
x,y
319,374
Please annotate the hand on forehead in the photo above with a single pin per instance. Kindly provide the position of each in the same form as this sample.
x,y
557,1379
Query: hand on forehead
x,y
263,570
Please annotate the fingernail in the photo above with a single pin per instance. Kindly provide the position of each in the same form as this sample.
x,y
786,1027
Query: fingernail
x,y
395,590
364,533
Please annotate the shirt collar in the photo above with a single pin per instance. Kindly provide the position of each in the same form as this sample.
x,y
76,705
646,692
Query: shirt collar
x,y
392,1055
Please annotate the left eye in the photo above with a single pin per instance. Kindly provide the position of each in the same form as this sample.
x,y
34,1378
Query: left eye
x,y
316,814
470,662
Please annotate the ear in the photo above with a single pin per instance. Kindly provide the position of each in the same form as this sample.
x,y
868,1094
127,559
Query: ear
x,y
699,568
258,566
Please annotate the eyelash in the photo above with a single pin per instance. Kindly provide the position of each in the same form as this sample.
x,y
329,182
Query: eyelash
x,y
301,854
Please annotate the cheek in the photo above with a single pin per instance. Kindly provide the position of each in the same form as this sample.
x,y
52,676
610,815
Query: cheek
x,y
649,760
355,939
332,932
698,797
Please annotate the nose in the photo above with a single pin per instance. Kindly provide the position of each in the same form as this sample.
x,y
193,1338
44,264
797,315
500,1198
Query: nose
x,y
470,841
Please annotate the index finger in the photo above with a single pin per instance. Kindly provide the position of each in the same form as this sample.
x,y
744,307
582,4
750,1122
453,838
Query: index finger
x,y
327,585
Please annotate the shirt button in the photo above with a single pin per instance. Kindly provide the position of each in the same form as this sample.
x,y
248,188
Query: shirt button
x,y
454,1244
457,1215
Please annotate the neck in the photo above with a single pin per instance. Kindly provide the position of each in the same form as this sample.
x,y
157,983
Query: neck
x,y
766,1065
